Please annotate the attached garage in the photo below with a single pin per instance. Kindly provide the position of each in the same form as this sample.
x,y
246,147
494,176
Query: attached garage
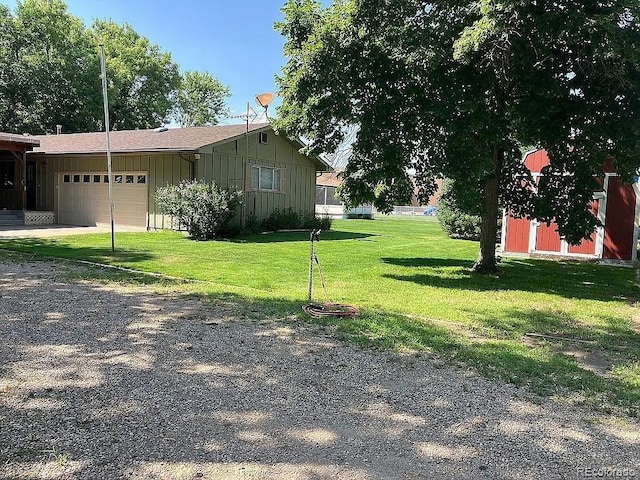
x,y
83,198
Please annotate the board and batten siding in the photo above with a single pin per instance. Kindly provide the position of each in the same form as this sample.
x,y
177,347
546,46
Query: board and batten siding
x,y
229,166
161,169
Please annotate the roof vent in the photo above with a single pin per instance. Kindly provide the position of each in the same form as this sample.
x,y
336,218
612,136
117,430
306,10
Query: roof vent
x,y
161,129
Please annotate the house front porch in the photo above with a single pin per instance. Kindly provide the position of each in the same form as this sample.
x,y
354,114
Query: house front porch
x,y
18,181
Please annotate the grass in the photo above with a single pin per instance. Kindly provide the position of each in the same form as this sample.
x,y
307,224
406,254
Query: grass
x,y
416,294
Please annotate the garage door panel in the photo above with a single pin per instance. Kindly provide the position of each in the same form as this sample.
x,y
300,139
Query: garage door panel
x,y
87,202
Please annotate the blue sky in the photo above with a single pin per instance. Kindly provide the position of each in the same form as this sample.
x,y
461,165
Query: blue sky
x,y
233,40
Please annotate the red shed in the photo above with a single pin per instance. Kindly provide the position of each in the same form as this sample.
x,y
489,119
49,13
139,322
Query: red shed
x,y
617,207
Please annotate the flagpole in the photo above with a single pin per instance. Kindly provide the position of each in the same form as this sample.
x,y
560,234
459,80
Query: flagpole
x,y
105,100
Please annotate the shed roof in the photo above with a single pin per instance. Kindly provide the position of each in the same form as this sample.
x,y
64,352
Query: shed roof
x,y
157,140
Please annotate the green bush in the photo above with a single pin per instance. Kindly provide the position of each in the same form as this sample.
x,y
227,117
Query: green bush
x,y
204,209
290,219
455,222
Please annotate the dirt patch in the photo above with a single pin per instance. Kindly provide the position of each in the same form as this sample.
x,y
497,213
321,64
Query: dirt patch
x,y
113,382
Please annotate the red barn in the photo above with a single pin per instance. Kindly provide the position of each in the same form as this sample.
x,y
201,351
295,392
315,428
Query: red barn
x,y
617,207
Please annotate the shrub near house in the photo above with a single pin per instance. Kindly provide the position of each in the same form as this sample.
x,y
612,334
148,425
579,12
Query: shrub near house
x,y
204,209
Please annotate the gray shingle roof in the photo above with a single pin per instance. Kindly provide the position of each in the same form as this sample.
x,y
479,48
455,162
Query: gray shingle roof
x,y
172,139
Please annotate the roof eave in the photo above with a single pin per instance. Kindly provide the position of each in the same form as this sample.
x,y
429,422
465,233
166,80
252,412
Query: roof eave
x,y
119,152
235,137
326,167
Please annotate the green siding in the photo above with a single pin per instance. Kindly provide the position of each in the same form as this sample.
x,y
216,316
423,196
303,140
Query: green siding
x,y
226,164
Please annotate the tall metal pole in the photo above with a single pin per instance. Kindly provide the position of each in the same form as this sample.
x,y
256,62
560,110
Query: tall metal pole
x,y
312,254
105,100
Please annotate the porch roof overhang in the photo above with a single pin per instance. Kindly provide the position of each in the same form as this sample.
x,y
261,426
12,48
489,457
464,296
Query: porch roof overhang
x,y
17,143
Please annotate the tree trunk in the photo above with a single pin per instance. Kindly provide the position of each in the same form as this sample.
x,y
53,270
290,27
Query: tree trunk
x,y
486,262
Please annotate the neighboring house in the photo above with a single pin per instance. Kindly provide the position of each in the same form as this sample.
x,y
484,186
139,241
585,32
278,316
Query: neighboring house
x,y
617,206
416,207
67,174
327,203
433,199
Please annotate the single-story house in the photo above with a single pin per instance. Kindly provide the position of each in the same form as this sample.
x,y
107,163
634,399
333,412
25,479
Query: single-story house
x,y
67,174
617,206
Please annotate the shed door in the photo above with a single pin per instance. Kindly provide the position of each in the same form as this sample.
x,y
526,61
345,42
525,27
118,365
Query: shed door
x,y
620,223
84,198
517,234
547,238
588,246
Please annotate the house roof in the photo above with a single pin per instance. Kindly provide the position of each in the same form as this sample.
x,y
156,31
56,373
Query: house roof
x,y
21,139
329,179
158,140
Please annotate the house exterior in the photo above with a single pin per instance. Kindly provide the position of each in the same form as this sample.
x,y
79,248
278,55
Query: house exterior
x,y
70,172
617,206
328,204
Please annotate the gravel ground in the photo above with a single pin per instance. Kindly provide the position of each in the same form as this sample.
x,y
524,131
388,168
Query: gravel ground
x,y
102,382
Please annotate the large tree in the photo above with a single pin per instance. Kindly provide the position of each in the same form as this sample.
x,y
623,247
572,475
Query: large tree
x,y
50,73
456,88
143,80
201,100
46,68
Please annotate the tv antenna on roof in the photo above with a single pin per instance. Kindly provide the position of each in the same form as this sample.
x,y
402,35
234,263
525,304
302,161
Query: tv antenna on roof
x,y
251,116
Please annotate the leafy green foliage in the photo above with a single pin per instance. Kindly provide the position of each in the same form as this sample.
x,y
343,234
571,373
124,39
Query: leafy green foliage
x,y
454,221
46,73
204,209
291,219
201,100
454,88
142,78
50,75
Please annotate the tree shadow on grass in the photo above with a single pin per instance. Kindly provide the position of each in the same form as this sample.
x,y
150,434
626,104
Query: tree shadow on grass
x,y
300,236
495,346
53,248
568,279
141,392
609,332
428,262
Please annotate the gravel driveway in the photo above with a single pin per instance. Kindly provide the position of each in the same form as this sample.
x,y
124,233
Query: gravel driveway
x,y
102,382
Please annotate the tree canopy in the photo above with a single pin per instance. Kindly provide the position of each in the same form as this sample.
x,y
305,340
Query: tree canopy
x,y
50,74
457,88
201,100
142,78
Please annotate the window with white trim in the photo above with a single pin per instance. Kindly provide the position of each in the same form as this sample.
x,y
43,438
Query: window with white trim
x,y
265,178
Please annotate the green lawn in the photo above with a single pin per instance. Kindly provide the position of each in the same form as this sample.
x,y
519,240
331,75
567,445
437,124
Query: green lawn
x,y
416,294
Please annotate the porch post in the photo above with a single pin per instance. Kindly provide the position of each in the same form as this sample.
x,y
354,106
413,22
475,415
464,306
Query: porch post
x,y
24,181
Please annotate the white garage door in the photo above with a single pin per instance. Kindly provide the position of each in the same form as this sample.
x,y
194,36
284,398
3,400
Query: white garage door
x,y
84,198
